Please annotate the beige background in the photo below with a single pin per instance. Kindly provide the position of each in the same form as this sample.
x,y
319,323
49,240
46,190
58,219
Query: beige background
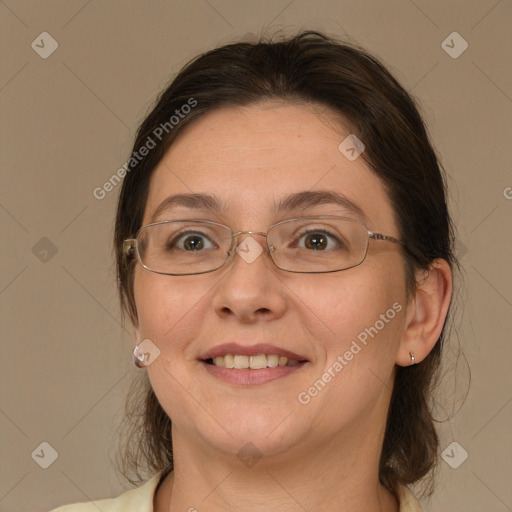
x,y
67,125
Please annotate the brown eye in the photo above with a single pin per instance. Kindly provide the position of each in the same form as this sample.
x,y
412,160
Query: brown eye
x,y
315,241
318,241
191,242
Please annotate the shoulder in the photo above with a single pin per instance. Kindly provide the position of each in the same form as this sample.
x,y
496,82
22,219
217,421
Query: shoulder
x,y
139,499
408,502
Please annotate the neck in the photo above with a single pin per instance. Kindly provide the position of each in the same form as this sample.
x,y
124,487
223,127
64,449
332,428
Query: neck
x,y
312,478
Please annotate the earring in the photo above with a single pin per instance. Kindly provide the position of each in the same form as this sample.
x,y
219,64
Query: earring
x,y
138,358
413,360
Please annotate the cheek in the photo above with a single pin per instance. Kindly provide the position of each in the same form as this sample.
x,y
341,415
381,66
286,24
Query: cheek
x,y
165,306
358,326
349,306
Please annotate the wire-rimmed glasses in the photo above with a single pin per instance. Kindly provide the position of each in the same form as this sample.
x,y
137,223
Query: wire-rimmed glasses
x,y
309,245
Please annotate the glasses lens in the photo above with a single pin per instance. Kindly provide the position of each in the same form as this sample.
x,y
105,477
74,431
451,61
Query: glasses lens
x,y
318,244
184,247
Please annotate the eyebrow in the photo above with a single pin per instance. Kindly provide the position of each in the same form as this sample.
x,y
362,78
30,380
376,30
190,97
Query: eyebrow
x,y
204,202
308,199
288,204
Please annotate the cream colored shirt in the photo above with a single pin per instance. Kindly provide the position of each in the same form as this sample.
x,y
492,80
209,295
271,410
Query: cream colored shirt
x,y
141,500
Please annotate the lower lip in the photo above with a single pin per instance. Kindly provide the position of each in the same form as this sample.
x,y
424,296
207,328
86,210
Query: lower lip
x,y
247,377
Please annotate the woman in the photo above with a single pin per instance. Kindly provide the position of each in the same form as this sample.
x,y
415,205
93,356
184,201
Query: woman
x,y
284,253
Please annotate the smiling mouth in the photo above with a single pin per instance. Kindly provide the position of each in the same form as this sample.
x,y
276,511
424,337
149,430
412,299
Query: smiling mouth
x,y
256,362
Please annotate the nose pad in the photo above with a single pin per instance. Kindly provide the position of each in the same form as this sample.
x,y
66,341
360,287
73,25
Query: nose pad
x,y
249,249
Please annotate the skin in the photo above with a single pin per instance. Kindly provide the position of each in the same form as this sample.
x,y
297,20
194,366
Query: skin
x,y
313,455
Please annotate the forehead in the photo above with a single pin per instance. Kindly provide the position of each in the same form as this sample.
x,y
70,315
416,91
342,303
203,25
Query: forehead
x,y
251,157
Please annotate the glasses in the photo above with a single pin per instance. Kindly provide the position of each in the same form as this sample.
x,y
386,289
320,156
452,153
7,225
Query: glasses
x,y
308,245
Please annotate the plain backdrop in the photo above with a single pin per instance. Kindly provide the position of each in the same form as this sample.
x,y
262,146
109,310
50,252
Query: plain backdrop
x,y
68,122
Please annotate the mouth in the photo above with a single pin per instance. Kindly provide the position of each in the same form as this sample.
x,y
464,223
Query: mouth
x,y
257,362
248,365
256,357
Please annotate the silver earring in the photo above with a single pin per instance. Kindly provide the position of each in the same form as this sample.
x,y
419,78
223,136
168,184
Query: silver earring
x,y
138,358
413,360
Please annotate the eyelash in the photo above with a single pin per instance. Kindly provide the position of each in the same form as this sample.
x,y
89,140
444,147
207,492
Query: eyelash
x,y
321,231
177,238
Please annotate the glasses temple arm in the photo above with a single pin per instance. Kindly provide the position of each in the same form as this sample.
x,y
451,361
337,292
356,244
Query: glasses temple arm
x,y
129,246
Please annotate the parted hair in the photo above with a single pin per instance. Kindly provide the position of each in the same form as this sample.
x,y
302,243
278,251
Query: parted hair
x,y
311,68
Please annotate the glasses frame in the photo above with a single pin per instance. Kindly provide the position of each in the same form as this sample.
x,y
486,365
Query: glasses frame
x,y
130,245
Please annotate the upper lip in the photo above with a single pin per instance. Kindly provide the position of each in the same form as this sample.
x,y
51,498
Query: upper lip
x,y
250,350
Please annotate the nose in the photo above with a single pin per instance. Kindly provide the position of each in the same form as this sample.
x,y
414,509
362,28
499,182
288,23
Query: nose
x,y
250,289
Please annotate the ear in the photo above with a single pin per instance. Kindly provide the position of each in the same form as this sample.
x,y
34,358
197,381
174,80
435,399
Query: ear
x,y
426,312
135,328
134,319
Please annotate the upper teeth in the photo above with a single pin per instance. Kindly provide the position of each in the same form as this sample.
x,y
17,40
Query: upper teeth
x,y
254,362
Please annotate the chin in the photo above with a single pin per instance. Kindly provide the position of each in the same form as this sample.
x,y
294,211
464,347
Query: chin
x,y
251,445
252,434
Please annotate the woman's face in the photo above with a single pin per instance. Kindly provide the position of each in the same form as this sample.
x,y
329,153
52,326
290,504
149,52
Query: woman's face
x,y
345,325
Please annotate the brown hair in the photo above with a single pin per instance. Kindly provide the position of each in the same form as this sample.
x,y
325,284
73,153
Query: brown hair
x,y
309,68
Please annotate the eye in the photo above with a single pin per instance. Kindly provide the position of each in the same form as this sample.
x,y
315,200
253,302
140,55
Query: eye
x,y
191,241
318,241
